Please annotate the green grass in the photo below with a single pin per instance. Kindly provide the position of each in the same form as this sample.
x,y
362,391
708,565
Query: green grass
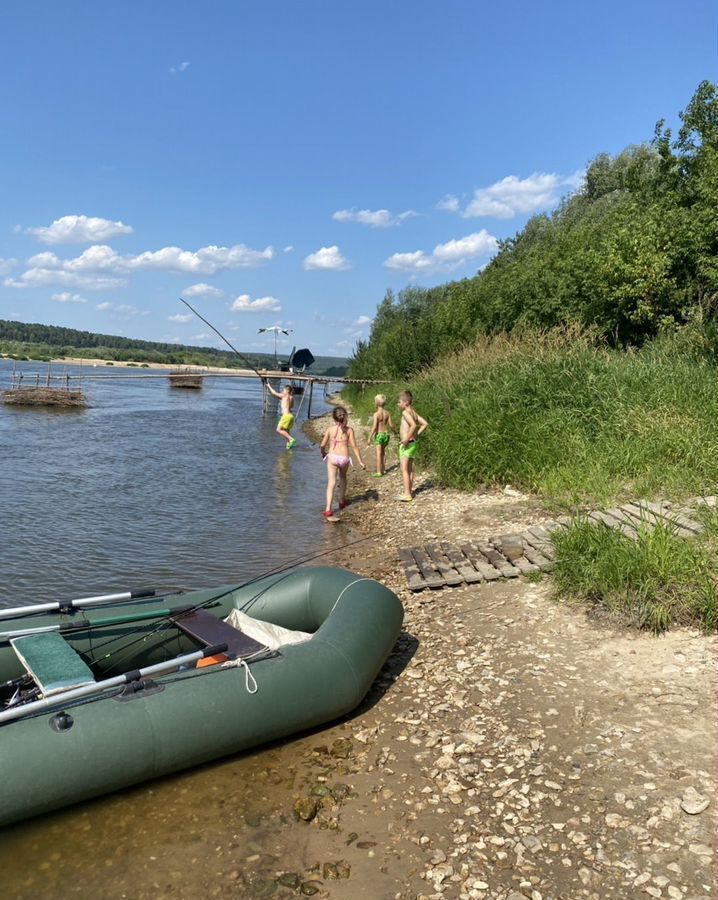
x,y
653,583
564,417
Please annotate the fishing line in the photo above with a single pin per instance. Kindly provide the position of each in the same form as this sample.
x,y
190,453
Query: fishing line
x,y
216,331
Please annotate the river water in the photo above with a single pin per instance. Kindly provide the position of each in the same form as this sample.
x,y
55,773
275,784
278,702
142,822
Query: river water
x,y
154,486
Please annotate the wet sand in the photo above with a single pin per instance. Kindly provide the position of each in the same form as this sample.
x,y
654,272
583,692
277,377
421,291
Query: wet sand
x,y
511,748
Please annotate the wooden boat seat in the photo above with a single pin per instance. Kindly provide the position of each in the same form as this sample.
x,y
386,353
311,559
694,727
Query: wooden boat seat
x,y
52,662
208,630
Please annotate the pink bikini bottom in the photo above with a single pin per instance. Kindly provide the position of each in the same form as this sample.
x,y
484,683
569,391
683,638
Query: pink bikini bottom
x,y
341,462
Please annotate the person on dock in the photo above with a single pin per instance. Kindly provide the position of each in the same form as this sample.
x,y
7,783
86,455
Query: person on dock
x,y
335,447
412,426
286,400
381,427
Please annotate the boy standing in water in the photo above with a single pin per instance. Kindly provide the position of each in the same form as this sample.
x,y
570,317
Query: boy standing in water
x,y
286,399
380,427
412,426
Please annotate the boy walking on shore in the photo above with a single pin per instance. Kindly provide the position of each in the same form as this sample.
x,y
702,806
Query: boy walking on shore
x,y
412,427
286,400
380,427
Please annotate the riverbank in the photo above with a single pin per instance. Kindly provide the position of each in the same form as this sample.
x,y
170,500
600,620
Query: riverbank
x,y
93,362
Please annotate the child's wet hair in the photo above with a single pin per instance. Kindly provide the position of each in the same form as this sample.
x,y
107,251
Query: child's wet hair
x,y
339,414
406,396
379,400
289,389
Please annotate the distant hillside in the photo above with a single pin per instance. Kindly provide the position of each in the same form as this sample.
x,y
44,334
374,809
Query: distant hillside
x,y
21,339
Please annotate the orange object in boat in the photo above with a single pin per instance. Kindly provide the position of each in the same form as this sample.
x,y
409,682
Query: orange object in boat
x,y
211,660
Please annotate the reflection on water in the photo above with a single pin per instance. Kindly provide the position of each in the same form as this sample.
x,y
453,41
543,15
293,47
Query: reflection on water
x,y
152,486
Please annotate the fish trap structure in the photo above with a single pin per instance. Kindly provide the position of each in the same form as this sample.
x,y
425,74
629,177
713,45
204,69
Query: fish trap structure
x,y
186,378
45,396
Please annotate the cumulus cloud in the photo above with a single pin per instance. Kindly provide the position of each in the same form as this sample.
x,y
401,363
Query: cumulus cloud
x,y
181,317
362,321
514,196
78,230
182,67
47,268
289,248
124,310
326,259
40,277
376,218
445,256
202,290
244,303
6,265
67,297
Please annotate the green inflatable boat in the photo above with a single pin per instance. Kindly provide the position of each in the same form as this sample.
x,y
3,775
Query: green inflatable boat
x,y
104,692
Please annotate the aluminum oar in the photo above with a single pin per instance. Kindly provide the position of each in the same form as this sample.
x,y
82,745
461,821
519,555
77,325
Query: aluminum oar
x,y
88,690
68,605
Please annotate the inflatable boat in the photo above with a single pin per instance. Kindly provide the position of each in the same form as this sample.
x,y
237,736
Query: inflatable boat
x,y
104,692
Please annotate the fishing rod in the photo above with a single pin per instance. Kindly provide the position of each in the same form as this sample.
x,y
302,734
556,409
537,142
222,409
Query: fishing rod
x,y
165,623
231,346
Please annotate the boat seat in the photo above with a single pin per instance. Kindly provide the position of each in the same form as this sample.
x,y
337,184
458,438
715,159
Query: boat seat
x,y
52,662
208,629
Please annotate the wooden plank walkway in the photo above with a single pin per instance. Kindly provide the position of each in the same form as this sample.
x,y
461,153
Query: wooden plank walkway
x,y
443,564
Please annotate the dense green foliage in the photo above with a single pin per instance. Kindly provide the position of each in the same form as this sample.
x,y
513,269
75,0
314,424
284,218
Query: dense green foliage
x,y
33,341
562,415
633,252
654,582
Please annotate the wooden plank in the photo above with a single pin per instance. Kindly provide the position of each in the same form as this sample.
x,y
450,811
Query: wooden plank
x,y
448,572
535,556
480,562
603,518
666,511
617,513
650,519
525,566
411,570
541,539
496,559
462,564
552,526
428,571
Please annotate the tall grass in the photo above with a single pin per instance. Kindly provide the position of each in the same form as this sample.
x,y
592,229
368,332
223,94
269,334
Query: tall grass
x,y
561,415
654,582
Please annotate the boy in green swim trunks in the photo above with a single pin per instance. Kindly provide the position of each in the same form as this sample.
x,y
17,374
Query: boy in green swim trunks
x,y
380,427
412,426
286,399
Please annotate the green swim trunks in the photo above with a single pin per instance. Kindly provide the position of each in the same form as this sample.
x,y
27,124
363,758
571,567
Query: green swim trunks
x,y
381,439
407,452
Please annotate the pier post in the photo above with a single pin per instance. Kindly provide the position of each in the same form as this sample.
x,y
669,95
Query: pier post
x,y
311,393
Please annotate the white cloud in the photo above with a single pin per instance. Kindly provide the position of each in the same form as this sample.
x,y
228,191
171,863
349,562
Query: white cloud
x,y
47,268
445,256
289,248
182,67
244,303
327,259
202,290
513,196
181,317
204,336
376,218
40,277
362,321
449,203
78,230
67,297
104,305
6,265
124,310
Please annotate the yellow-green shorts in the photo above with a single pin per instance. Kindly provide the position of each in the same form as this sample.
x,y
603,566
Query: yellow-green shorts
x,y
407,452
286,422
381,439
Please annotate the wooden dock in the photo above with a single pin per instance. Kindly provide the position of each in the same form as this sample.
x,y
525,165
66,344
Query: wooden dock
x,y
443,564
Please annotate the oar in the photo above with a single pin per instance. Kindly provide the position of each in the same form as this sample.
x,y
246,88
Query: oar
x,y
87,690
95,623
80,603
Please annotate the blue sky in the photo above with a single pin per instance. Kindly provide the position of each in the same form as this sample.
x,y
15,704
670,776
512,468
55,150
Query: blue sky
x,y
286,163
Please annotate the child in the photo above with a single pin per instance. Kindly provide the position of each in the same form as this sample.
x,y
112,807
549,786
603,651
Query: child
x,y
380,427
286,399
412,426
336,443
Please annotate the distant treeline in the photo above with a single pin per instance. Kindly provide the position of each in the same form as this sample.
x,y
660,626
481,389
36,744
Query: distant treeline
x,y
42,342
631,254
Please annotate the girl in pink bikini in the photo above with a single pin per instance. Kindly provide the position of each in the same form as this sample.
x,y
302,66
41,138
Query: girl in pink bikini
x,y
338,440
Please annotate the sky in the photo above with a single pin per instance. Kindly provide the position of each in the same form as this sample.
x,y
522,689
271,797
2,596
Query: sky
x,y
285,163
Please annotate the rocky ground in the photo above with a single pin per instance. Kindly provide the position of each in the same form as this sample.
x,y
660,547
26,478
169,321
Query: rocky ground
x,y
512,748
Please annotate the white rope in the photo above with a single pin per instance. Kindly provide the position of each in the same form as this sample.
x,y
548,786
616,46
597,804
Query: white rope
x,y
248,677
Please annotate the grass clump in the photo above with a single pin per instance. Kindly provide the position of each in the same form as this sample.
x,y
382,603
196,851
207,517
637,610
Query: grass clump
x,y
562,415
652,583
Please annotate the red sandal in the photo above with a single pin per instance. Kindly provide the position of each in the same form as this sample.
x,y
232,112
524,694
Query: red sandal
x,y
342,504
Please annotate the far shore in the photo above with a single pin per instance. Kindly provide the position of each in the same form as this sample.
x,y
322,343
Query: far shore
x,y
93,362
